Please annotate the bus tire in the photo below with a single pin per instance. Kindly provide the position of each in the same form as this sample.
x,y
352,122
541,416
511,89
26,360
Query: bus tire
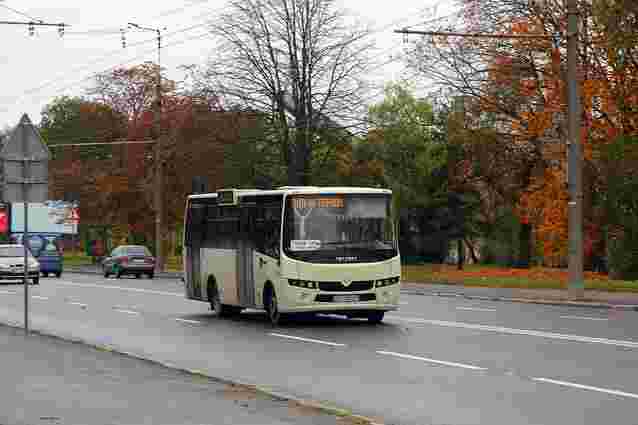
x,y
271,305
376,317
221,310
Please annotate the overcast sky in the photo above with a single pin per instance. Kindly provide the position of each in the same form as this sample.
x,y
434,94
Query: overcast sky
x,y
37,68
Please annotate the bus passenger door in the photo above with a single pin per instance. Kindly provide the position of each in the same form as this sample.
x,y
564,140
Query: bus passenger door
x,y
246,274
266,269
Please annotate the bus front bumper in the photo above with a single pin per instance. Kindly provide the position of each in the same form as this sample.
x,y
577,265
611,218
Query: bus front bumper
x,y
342,308
302,300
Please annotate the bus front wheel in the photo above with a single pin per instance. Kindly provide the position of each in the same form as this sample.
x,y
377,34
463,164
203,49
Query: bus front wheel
x,y
216,305
272,308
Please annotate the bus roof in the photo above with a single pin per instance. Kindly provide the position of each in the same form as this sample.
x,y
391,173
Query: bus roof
x,y
293,190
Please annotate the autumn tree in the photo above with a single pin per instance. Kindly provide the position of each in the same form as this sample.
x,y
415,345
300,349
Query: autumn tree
x,y
521,82
296,61
129,91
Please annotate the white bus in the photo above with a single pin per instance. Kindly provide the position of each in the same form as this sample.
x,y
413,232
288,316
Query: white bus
x,y
293,250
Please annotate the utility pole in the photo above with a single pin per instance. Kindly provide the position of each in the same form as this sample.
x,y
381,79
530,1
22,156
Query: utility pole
x,y
574,157
159,169
32,24
576,287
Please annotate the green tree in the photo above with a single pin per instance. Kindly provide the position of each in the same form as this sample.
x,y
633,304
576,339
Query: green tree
x,y
73,120
410,155
414,156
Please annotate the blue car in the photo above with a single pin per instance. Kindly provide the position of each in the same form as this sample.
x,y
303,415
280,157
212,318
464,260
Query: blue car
x,y
50,259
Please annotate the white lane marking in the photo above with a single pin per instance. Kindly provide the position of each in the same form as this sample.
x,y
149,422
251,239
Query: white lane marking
x,y
511,331
584,318
425,359
586,387
316,341
8,292
78,304
179,319
136,313
490,310
39,297
121,288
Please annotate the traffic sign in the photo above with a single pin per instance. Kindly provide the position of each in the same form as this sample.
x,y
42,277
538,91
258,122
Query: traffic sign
x,y
25,169
25,178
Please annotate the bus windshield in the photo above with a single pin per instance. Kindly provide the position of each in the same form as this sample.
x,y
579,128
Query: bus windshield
x,y
343,228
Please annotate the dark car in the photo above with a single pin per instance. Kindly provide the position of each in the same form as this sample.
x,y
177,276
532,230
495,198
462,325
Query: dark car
x,y
129,260
50,258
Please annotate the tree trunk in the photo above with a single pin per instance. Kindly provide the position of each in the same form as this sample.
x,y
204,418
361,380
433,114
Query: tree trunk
x,y
525,242
475,259
461,254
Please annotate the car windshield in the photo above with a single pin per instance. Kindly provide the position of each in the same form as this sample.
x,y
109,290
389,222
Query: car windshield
x,y
12,251
137,250
339,228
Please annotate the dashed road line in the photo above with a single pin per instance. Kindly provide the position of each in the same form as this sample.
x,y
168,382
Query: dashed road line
x,y
586,387
316,341
179,319
512,331
131,312
39,297
584,318
78,304
8,292
428,360
487,310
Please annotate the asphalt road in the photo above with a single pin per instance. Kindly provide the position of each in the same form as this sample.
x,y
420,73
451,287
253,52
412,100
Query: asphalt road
x,y
435,361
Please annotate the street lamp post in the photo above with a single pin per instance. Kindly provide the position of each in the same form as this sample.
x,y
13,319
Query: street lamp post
x,y
159,175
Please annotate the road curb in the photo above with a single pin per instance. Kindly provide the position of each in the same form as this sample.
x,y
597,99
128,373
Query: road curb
x,y
323,407
629,307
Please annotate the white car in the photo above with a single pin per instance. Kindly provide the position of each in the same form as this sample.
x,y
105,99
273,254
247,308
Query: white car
x,y
12,264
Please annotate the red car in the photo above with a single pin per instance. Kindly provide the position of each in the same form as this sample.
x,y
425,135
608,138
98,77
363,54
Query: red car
x,y
129,260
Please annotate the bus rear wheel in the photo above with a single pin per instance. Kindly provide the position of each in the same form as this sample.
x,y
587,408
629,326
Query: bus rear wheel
x,y
221,310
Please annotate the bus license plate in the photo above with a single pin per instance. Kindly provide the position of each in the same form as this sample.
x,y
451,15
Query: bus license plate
x,y
346,298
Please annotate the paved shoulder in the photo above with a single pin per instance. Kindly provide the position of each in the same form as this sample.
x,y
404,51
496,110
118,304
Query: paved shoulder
x,y
47,380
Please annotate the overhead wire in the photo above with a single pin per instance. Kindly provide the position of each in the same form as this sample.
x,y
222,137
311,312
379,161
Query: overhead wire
x,y
133,59
23,14
105,57
102,58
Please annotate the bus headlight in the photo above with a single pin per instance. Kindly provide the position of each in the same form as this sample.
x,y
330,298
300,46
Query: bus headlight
x,y
308,284
387,282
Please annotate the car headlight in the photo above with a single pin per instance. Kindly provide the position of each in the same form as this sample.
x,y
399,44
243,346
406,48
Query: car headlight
x,y
308,284
387,282
34,264
4,267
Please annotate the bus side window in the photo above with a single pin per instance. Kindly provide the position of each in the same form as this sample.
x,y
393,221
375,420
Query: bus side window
x,y
267,230
188,240
195,225
272,222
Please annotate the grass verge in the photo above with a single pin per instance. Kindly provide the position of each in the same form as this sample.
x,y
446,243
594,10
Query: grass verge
x,y
496,277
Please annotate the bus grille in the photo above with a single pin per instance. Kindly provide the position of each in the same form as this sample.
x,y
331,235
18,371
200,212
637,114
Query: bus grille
x,y
327,298
363,285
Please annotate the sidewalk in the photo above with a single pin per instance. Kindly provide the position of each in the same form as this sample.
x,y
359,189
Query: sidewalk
x,y
597,299
46,380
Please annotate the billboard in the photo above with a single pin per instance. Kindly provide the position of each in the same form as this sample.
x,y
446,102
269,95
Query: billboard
x,y
58,217
4,218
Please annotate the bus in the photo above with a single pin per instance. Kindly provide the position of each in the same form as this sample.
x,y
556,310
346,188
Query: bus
x,y
293,250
